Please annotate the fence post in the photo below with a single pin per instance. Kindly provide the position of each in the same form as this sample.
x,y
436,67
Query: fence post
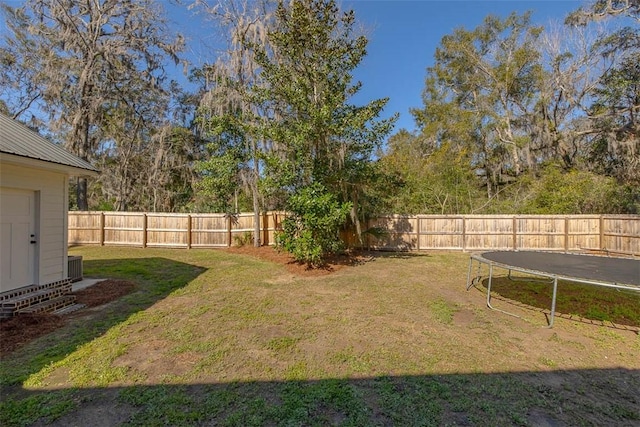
x,y
265,229
566,234
464,233
601,226
144,230
101,228
188,231
418,233
515,232
228,230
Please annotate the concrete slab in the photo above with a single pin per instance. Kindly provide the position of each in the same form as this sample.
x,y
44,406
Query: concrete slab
x,y
85,283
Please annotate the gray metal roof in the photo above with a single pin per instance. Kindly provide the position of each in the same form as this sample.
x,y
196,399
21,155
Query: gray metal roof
x,y
19,140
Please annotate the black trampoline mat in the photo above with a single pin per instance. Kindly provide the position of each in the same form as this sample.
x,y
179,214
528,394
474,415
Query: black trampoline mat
x,y
597,268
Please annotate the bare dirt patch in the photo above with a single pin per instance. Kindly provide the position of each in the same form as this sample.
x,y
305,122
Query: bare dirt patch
x,y
22,329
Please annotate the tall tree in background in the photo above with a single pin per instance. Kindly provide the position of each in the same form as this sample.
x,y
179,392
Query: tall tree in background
x,y
615,112
480,92
602,9
228,112
434,178
515,105
76,58
616,120
560,129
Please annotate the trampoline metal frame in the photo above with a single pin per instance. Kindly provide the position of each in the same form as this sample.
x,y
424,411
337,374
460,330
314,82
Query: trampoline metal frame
x,y
551,276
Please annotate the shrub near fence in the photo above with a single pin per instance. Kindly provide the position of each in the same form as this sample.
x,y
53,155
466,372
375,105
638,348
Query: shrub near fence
x,y
615,233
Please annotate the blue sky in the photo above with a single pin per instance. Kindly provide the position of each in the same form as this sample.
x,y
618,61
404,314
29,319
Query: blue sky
x,y
403,36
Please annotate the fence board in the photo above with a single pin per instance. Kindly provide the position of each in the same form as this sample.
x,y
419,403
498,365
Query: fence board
x,y
164,230
489,231
124,228
446,232
615,233
209,230
400,233
540,233
441,241
85,227
583,232
621,233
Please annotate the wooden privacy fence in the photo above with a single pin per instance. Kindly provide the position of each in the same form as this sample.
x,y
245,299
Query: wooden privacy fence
x,y
168,229
615,233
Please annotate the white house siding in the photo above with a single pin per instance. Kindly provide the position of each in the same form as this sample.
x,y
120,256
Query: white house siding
x,y
51,203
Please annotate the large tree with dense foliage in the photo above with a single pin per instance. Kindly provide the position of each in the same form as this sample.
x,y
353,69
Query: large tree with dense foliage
x,y
320,138
429,178
88,65
615,110
285,108
518,109
480,93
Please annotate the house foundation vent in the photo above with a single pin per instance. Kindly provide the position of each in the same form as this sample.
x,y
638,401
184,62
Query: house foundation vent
x,y
75,268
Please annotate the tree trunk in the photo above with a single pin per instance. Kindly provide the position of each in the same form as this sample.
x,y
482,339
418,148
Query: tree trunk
x,y
83,148
81,194
257,242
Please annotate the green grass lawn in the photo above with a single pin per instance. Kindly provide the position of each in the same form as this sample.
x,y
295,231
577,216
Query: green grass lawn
x,y
210,337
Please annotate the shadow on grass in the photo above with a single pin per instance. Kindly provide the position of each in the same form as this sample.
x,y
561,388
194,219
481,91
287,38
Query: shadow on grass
x,y
397,254
154,279
550,398
584,303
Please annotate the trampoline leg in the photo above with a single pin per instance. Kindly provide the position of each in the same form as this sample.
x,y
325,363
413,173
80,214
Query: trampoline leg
x,y
553,302
489,295
469,282
489,286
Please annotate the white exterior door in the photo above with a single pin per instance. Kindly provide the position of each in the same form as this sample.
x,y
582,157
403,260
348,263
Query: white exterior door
x,y
17,238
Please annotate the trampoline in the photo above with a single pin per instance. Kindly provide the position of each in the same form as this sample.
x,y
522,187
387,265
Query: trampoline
x,y
611,272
